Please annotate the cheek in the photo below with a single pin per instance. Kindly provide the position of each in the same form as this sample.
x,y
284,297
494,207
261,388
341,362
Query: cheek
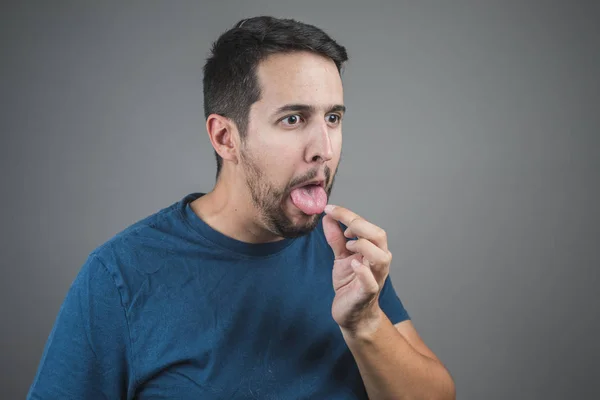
x,y
336,144
277,162
279,153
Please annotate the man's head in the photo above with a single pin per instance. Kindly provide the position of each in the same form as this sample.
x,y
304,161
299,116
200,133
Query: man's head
x,y
273,100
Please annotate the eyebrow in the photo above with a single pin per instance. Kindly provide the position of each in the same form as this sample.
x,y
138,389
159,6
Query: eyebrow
x,y
308,108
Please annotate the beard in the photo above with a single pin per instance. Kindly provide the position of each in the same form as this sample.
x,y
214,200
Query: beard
x,y
270,200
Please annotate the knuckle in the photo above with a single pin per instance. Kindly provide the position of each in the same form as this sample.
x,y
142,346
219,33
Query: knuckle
x,y
353,220
388,257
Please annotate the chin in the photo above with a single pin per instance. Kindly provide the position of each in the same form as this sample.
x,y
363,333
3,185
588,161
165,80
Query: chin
x,y
308,222
294,223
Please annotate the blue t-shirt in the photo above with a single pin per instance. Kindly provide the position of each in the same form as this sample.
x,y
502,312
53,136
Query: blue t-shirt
x,y
172,309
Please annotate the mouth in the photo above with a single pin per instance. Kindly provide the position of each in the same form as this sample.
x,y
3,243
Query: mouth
x,y
309,197
316,182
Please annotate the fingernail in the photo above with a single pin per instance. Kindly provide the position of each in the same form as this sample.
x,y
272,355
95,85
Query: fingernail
x,y
329,208
355,263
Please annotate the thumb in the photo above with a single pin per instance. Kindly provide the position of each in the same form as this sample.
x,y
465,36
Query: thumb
x,y
335,237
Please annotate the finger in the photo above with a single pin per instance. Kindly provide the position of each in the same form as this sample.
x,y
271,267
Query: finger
x,y
358,226
375,255
364,229
348,233
366,277
341,214
335,237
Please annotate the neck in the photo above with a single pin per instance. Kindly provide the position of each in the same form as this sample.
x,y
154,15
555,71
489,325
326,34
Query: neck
x,y
229,209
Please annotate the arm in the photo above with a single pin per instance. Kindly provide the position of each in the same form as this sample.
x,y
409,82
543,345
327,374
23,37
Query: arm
x,y
86,355
394,363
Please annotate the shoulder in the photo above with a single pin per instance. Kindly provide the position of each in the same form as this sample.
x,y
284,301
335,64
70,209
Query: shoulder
x,y
141,241
139,250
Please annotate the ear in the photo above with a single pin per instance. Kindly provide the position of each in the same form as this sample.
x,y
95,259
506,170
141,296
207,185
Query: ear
x,y
224,136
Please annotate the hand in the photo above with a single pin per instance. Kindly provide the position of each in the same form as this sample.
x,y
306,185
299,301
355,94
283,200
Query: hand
x,y
360,268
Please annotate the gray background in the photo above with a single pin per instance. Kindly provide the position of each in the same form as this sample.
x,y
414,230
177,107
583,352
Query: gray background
x,y
472,137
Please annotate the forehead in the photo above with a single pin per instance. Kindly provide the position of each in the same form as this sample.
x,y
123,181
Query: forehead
x,y
299,77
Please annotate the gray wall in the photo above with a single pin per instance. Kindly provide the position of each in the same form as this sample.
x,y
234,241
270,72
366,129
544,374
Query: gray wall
x,y
472,137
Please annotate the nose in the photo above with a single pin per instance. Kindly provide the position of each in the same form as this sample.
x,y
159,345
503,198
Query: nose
x,y
320,148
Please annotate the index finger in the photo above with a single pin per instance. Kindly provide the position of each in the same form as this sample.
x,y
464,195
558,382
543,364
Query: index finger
x,y
341,214
359,226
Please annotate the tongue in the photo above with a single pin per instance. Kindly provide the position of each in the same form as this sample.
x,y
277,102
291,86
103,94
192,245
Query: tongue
x,y
310,199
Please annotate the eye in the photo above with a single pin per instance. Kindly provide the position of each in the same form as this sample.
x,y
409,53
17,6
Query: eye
x,y
292,120
334,119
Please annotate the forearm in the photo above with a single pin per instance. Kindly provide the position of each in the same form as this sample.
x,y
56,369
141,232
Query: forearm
x,y
392,369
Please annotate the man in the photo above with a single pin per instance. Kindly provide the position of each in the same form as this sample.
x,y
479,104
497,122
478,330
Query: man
x,y
251,291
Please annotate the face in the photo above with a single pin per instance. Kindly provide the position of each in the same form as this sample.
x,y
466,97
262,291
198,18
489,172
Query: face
x,y
294,136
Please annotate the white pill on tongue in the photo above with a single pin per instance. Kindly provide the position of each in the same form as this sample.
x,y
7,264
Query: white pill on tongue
x,y
310,199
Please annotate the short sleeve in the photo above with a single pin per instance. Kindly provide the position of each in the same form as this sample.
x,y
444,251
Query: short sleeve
x,y
86,355
390,303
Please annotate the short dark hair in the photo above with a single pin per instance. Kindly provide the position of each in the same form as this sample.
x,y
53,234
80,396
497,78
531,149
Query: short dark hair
x,y
230,82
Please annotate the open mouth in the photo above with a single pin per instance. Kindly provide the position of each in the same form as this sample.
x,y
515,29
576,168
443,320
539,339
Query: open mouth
x,y
310,198
312,185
